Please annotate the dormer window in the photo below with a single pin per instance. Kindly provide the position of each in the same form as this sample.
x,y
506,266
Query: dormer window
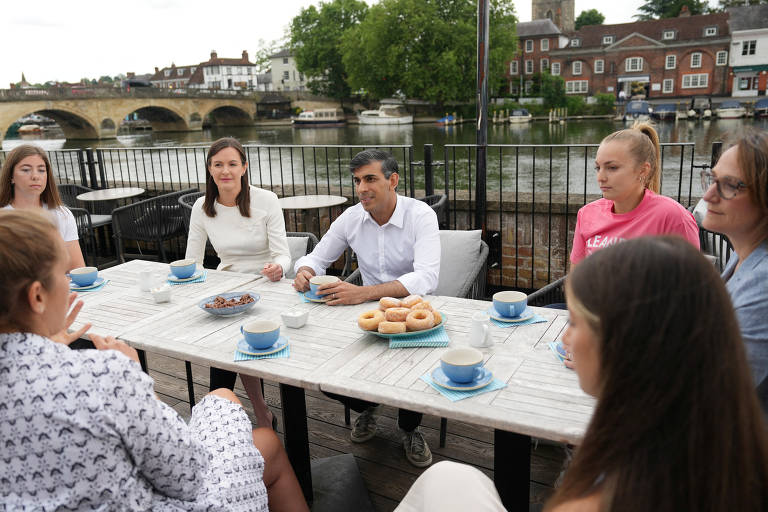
x,y
668,35
167,72
575,42
710,31
180,71
608,39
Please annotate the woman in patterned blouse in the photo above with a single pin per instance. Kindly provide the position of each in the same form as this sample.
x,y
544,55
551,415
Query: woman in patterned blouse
x,y
83,430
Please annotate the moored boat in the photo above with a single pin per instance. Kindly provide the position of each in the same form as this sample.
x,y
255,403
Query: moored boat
x,y
761,108
386,114
637,110
730,109
520,115
320,117
664,112
30,128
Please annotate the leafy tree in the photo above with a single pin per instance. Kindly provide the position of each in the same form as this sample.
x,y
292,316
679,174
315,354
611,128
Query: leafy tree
x,y
105,79
427,49
657,9
315,39
590,17
261,57
551,88
724,4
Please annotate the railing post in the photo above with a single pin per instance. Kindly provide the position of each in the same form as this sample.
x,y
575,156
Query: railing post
x,y
482,112
429,186
82,165
717,148
100,163
411,172
91,168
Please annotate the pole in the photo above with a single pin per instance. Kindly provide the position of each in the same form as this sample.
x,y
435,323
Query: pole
x,y
482,112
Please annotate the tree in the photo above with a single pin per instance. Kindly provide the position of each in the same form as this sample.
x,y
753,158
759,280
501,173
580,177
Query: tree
x,y
590,17
657,9
315,40
427,49
551,88
724,4
261,57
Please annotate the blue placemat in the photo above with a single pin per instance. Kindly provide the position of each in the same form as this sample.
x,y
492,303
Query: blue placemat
x,y
239,356
455,396
102,285
436,338
200,279
553,346
303,298
535,319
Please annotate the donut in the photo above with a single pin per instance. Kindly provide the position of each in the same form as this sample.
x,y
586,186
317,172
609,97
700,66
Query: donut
x,y
438,317
388,302
422,305
411,301
419,320
396,314
370,320
391,327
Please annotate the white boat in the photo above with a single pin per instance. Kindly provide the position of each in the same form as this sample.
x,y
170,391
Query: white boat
x,y
520,115
387,114
320,117
730,109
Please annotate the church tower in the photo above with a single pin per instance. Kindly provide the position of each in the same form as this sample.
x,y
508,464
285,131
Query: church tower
x,y
561,12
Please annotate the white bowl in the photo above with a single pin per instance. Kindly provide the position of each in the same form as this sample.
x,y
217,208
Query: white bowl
x,y
294,318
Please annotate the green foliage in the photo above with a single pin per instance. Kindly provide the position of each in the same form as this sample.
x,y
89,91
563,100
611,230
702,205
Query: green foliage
x,y
605,103
576,105
315,39
261,57
724,4
657,9
551,88
590,17
427,49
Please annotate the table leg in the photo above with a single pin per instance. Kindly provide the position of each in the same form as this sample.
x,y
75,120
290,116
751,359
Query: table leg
x,y
143,360
296,437
512,468
190,384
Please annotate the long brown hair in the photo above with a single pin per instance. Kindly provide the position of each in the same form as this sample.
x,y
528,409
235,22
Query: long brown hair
x,y
50,194
212,191
643,144
677,425
752,156
28,253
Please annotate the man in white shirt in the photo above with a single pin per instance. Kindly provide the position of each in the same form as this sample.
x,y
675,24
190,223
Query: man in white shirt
x,y
397,242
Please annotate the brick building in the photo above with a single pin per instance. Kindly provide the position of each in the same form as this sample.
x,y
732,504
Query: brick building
x,y
537,39
749,50
172,77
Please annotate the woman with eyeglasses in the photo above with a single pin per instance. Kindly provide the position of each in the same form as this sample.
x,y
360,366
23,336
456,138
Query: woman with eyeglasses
x,y
736,193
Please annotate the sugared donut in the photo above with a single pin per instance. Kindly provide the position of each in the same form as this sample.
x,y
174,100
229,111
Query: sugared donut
x,y
419,320
422,305
396,314
388,302
438,317
391,327
370,320
411,301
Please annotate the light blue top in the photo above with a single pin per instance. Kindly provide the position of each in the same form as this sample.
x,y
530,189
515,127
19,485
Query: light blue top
x,y
748,287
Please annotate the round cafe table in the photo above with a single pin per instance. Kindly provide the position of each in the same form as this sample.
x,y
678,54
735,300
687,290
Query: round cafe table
x,y
110,194
309,203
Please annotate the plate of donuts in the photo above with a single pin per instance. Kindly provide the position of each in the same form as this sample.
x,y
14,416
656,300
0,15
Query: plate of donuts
x,y
396,318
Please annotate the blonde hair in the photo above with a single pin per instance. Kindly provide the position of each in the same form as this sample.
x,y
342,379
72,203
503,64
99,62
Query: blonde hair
x,y
49,196
28,253
643,144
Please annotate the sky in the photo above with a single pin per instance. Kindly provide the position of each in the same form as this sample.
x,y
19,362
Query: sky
x,y
66,41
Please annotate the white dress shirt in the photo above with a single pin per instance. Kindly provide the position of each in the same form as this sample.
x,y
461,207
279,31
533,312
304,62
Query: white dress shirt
x,y
244,244
405,249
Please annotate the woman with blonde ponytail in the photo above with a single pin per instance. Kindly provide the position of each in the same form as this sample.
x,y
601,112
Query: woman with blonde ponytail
x,y
628,167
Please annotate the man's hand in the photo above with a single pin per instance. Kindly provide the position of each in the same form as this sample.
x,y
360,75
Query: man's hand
x,y
110,343
342,292
64,336
272,271
301,282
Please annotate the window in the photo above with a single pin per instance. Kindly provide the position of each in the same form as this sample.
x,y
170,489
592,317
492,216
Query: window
x,y
576,87
214,70
167,72
695,81
599,66
722,58
528,45
180,71
285,60
286,75
696,60
710,31
671,62
555,68
577,67
668,34
192,69
528,86
545,45
749,82
513,68
544,64
634,64
575,42
749,47
528,67
607,39
667,85
514,89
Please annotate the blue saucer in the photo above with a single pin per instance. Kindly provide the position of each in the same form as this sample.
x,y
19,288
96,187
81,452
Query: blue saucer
x,y
98,282
527,314
561,350
315,298
197,274
244,348
439,378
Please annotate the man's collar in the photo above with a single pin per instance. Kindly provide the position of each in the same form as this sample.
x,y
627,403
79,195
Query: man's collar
x,y
397,218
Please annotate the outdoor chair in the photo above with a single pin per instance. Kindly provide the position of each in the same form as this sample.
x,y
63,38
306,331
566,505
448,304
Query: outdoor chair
x,y
85,233
153,220
463,271
187,201
70,191
439,203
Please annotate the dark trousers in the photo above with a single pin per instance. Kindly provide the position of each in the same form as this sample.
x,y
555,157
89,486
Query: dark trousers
x,y
222,379
406,420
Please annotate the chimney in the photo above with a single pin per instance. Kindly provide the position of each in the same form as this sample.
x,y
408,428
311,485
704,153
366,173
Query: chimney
x,y
684,12
213,55
156,70
131,74
245,56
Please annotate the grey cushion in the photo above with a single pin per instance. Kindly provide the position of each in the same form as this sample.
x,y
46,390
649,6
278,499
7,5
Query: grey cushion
x,y
297,245
459,251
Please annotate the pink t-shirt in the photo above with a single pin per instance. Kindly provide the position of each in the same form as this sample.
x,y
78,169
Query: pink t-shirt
x,y
597,226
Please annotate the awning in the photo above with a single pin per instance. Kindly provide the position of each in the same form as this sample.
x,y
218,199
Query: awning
x,y
635,78
750,69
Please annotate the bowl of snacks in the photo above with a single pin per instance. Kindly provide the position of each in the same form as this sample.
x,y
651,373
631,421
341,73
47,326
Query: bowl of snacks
x,y
231,303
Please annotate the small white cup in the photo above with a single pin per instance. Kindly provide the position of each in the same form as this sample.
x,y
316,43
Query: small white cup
x,y
146,280
479,333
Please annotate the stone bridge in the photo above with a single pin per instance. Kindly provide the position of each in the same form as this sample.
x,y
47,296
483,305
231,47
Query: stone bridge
x,y
99,118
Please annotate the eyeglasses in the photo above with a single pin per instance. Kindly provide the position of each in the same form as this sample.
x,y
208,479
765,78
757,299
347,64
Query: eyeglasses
x,y
727,187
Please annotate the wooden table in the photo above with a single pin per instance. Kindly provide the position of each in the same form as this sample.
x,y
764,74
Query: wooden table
x,y
110,194
308,203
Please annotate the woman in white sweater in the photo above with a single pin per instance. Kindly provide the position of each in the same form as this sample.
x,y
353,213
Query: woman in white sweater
x,y
246,228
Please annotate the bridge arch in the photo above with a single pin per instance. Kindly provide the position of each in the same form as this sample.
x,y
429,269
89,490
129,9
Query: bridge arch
x,y
162,118
228,115
74,124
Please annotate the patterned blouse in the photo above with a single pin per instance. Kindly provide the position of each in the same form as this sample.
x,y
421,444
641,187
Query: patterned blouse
x,y
83,430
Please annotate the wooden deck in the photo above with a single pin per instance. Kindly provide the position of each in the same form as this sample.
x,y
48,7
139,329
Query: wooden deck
x,y
386,472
